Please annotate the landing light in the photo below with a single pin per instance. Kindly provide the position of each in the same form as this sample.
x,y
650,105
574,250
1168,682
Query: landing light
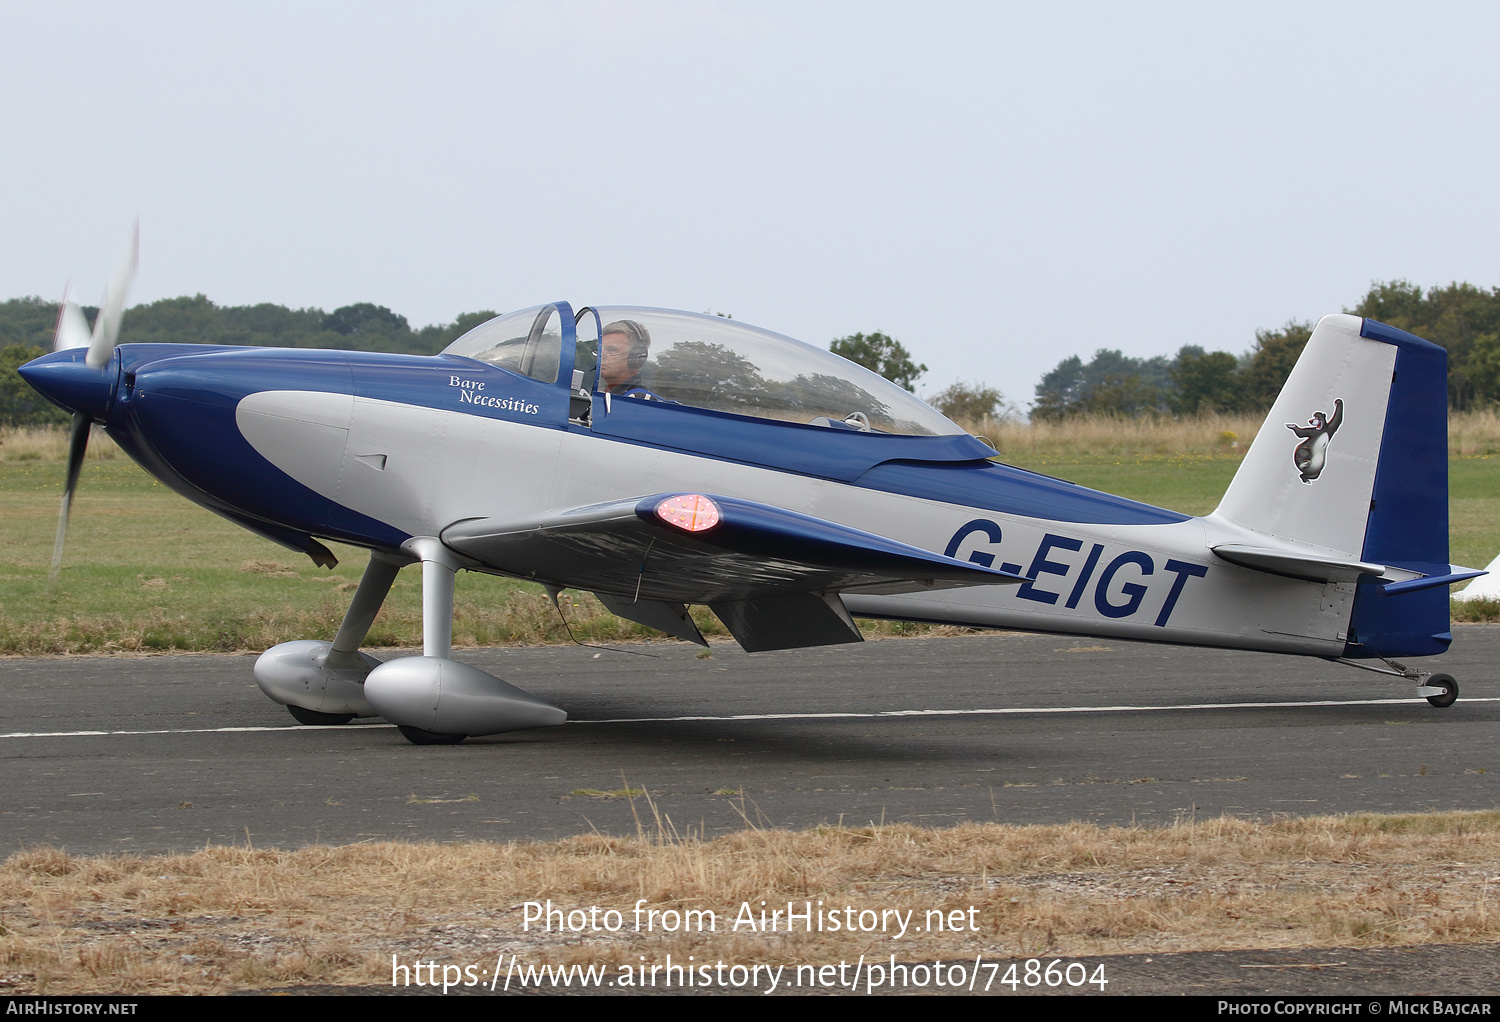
x,y
690,512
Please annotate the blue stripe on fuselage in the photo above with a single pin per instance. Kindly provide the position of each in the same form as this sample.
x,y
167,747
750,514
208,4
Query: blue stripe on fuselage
x,y
826,452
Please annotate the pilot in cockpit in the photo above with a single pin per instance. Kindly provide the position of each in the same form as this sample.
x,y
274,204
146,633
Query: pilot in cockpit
x,y
624,346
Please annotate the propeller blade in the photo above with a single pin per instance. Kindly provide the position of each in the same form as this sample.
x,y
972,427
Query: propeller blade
x,y
72,327
78,442
112,306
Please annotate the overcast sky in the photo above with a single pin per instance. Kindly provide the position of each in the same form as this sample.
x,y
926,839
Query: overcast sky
x,y
997,185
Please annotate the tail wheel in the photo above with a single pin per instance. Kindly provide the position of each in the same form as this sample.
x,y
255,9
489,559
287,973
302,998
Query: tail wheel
x,y
1449,687
306,716
417,736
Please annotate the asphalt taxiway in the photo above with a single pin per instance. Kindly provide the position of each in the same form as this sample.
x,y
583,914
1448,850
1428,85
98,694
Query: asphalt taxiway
x,y
165,753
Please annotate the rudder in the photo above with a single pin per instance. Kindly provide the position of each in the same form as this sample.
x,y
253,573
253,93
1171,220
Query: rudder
x,y
1408,525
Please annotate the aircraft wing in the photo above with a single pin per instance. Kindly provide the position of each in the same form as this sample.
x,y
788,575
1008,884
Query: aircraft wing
x,y
752,550
771,574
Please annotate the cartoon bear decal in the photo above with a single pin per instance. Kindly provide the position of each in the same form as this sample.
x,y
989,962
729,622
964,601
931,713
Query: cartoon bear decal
x,y
1312,453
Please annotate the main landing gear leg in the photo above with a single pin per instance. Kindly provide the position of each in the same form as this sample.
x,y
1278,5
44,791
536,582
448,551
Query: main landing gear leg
x,y
433,699
374,587
1439,689
322,682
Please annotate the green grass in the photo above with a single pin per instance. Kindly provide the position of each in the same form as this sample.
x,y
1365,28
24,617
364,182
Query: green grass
x,y
146,570
1474,510
1193,485
1187,483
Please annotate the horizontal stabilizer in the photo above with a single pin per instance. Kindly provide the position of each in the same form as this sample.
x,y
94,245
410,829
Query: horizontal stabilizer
x,y
637,550
1317,567
1454,575
1298,564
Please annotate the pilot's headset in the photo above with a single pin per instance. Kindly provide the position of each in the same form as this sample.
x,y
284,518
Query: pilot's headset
x,y
640,341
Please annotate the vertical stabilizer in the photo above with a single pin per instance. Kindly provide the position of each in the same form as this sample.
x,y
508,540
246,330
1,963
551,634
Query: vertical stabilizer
x,y
1353,460
1310,472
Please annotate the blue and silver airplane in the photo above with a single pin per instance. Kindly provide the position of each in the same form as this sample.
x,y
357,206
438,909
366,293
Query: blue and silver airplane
x,y
660,459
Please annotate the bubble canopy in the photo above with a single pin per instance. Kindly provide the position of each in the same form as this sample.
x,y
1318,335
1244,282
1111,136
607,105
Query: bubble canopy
x,y
705,362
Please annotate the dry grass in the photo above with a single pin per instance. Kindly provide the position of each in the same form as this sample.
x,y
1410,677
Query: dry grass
x,y
50,443
1474,611
1097,436
1470,434
227,918
1474,434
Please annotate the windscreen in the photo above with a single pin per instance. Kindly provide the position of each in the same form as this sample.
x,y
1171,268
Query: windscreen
x,y
528,342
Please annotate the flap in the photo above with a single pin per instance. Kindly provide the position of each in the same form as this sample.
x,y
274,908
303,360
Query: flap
x,y
671,618
788,622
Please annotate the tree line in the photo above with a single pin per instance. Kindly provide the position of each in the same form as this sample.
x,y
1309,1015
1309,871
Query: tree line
x,y
1462,318
27,325
1195,381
